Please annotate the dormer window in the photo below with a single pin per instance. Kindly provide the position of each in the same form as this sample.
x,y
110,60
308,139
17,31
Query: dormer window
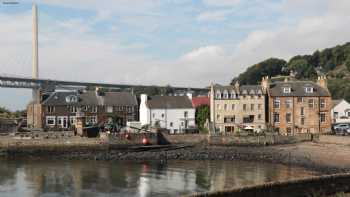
x,y
233,94
71,99
225,94
309,90
218,95
286,90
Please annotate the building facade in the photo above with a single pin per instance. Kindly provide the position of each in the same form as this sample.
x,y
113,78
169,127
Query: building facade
x,y
340,111
298,106
237,107
174,113
59,109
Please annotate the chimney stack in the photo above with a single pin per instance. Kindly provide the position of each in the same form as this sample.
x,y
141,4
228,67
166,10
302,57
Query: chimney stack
x,y
322,81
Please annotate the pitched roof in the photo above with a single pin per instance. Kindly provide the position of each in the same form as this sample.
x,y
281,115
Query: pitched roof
x,y
200,100
169,102
91,98
336,102
297,89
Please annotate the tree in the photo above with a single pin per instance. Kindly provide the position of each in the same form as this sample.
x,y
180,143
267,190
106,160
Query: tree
x,y
303,69
202,115
253,75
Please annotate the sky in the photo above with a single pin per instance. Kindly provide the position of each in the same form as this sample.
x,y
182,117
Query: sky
x,y
188,43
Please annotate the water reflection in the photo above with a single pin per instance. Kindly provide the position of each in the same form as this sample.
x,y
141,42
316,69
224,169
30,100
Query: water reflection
x,y
102,178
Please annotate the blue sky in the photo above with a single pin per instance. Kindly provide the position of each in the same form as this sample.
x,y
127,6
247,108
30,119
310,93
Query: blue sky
x,y
177,42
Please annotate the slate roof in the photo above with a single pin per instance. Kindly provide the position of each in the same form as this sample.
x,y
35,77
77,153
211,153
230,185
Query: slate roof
x,y
91,98
297,89
243,89
169,102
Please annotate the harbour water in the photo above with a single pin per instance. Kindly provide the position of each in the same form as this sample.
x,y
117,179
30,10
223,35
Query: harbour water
x,y
55,178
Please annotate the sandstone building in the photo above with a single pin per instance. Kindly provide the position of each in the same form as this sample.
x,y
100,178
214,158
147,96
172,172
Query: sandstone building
x,y
298,106
237,107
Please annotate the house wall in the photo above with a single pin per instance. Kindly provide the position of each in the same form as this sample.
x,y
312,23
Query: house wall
x,y
102,115
341,108
239,112
174,116
311,116
144,111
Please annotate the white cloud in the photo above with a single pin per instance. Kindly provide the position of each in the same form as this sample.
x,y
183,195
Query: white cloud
x,y
218,15
222,3
71,49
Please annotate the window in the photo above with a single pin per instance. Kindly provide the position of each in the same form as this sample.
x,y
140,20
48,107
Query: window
x,y
85,108
259,106
259,116
300,99
218,95
225,106
289,103
162,115
302,111
248,119
323,117
91,120
171,124
185,114
218,117
50,120
276,103
286,90
153,115
72,120
225,95
244,107
233,107
109,109
289,131
229,119
288,117
182,123
218,106
233,95
309,89
252,107
50,109
276,117
322,103
73,109
311,103
302,120
335,115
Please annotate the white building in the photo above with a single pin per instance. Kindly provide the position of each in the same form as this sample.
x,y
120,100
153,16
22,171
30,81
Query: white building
x,y
174,113
340,111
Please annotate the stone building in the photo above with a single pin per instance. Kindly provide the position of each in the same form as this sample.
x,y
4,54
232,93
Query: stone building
x,y
59,109
298,106
237,107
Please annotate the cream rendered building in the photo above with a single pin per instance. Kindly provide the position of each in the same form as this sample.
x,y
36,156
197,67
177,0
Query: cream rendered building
x,y
233,108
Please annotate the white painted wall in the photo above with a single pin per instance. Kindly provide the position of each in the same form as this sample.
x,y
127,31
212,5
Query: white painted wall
x,y
144,111
172,119
342,108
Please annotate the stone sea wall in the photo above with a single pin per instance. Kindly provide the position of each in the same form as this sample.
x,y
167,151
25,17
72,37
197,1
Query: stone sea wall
x,y
316,186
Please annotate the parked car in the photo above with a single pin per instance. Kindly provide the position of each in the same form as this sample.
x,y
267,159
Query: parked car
x,y
342,129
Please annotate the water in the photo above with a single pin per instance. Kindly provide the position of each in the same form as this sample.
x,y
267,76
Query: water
x,y
54,178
